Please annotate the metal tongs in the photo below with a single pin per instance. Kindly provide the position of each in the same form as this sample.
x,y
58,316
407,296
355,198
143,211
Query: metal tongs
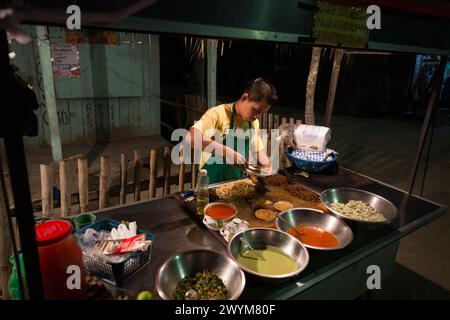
x,y
254,174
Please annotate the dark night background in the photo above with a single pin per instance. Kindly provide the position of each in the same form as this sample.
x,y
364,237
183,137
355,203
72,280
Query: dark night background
x,y
374,86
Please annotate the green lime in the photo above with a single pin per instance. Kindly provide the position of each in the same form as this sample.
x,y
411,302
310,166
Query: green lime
x,y
145,295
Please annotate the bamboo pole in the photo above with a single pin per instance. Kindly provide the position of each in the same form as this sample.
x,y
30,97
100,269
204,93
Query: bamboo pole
x,y
153,173
269,132
194,171
5,245
166,171
46,189
65,183
283,146
123,178
181,172
276,121
104,182
137,175
264,120
83,184
338,55
311,85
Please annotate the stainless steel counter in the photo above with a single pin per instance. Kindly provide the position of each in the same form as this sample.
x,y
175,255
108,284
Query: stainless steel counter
x,y
175,231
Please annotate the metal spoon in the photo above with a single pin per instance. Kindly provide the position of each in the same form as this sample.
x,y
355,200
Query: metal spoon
x,y
251,249
291,225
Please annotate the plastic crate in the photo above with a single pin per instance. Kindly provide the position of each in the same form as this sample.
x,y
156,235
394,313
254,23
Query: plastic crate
x,y
309,165
115,273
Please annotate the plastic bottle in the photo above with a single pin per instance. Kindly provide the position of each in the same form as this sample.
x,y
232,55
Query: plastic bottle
x,y
61,261
202,191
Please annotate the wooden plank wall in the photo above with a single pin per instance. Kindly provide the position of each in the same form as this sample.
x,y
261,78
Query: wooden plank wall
x,y
110,100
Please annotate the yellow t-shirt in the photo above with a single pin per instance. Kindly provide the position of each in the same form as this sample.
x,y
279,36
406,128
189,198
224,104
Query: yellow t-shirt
x,y
219,118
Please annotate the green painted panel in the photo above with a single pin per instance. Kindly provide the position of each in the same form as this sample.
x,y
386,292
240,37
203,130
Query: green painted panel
x,y
124,65
114,119
76,121
124,118
88,108
106,71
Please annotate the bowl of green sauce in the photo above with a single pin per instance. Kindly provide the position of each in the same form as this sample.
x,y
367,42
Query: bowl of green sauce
x,y
268,253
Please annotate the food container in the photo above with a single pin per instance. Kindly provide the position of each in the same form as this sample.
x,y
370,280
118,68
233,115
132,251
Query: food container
x,y
188,263
115,273
217,214
263,238
315,218
310,166
233,227
59,257
343,195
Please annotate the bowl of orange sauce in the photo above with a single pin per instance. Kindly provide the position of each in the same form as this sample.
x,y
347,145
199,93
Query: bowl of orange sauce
x,y
217,214
315,229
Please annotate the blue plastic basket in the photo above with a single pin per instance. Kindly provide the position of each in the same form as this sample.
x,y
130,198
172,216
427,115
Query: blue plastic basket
x,y
309,165
115,273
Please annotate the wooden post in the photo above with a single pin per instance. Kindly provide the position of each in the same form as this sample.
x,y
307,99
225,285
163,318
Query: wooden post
x,y
65,183
153,173
181,171
166,171
154,77
211,71
283,147
137,175
104,182
269,132
264,121
5,245
83,184
194,170
46,189
338,54
123,178
49,91
276,121
311,85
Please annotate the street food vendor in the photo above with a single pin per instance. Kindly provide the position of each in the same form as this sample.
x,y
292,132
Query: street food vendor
x,y
221,154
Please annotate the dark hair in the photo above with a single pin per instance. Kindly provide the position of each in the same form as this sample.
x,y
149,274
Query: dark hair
x,y
259,89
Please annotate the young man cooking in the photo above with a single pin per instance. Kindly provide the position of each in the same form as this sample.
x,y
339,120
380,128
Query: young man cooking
x,y
225,150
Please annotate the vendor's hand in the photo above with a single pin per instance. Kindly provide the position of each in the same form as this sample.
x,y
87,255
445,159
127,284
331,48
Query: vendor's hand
x,y
236,159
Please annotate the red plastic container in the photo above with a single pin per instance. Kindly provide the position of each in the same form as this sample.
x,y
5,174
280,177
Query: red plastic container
x,y
59,256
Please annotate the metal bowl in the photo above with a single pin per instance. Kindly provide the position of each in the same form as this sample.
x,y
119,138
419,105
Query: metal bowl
x,y
313,217
261,237
343,195
188,263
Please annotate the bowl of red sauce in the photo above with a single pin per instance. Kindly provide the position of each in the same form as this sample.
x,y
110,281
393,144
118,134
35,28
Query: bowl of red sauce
x,y
315,229
217,214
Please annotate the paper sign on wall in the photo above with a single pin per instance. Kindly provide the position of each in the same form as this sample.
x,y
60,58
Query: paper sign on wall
x,y
66,62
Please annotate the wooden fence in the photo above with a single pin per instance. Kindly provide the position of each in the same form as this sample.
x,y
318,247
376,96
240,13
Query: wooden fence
x,y
84,197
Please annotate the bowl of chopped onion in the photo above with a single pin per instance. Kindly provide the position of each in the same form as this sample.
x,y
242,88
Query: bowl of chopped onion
x,y
359,206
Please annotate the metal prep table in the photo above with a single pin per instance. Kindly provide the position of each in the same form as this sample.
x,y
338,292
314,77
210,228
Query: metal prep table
x,y
339,274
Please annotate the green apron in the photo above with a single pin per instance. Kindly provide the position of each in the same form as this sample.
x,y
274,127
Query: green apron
x,y
218,172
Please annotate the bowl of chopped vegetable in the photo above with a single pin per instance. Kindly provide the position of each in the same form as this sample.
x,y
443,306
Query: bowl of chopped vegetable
x,y
200,274
359,206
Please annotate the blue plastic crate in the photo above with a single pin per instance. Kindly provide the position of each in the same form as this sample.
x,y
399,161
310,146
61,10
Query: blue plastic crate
x,y
309,165
115,273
